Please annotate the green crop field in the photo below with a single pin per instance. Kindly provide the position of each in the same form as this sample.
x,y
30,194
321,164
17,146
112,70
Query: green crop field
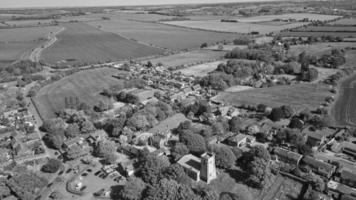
x,y
317,34
26,34
299,96
319,48
240,27
82,43
296,16
188,57
162,35
85,85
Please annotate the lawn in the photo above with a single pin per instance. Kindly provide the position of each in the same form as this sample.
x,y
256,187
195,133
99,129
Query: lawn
x,y
165,36
85,85
189,57
169,123
240,27
82,43
201,70
299,96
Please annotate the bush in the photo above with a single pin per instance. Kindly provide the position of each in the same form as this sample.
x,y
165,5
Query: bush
x,y
52,166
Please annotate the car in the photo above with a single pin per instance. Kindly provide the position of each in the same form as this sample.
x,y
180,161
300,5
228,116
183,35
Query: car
x,y
61,172
89,170
69,170
105,176
97,173
85,174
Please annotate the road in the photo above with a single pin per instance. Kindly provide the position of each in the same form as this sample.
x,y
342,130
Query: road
x,y
344,110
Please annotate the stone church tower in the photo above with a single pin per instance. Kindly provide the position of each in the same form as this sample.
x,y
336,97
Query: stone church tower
x,y
207,167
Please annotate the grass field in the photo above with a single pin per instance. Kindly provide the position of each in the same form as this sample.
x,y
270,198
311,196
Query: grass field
x,y
162,35
86,85
10,52
241,27
188,57
317,34
345,21
299,96
83,43
169,123
319,48
28,22
26,34
334,28
201,70
297,16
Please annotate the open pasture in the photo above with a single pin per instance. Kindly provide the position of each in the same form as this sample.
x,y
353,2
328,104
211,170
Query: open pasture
x,y
299,96
334,28
85,85
20,23
240,27
201,70
26,34
344,21
188,58
162,35
10,52
82,43
319,48
296,16
317,34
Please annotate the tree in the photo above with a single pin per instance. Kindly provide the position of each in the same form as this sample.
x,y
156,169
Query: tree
x,y
110,158
224,157
87,127
276,114
174,172
138,122
195,143
170,190
53,124
4,190
54,141
104,148
235,124
132,190
72,130
52,166
288,111
258,166
179,150
151,167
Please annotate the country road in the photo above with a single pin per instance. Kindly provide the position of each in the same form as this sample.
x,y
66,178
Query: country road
x,y
36,53
344,110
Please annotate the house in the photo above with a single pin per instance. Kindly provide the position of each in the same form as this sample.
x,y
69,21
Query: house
x,y
315,138
348,178
191,165
319,167
126,168
196,88
340,191
349,148
129,150
187,91
240,140
287,156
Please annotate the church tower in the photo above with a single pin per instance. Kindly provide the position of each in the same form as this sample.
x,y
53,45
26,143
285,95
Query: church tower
x,y
207,167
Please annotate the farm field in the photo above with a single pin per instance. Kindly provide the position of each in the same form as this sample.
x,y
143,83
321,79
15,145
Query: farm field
x,y
334,28
296,16
10,52
345,21
82,43
299,96
85,85
240,27
227,47
317,34
28,22
319,49
26,34
188,57
201,70
161,35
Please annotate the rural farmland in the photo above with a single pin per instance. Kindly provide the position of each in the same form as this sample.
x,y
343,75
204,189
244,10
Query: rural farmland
x,y
85,85
299,96
82,43
161,35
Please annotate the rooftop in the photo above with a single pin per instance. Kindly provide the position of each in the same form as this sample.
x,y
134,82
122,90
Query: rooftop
x,y
191,162
288,154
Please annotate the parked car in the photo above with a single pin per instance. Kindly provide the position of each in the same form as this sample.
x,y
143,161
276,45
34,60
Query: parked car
x,y
85,174
97,173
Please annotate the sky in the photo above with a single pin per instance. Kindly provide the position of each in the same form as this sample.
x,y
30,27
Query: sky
x,y
82,3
